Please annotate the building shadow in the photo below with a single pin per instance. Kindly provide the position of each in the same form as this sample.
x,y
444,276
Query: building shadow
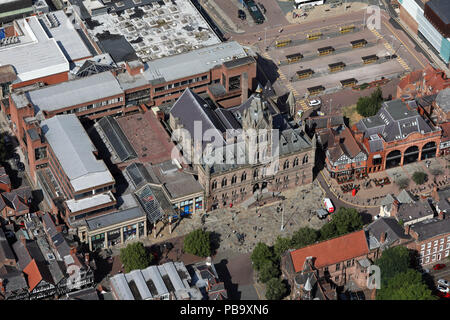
x,y
366,217
224,275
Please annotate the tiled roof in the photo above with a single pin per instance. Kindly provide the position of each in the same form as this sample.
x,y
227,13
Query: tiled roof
x,y
33,274
332,251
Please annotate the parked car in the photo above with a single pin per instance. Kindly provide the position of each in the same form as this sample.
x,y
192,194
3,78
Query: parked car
x,y
361,295
20,166
444,282
443,289
241,14
315,102
439,266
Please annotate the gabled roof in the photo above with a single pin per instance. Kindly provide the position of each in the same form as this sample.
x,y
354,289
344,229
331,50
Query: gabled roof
x,y
4,178
332,251
34,275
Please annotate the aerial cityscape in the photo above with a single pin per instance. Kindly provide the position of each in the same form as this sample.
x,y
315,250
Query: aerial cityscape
x,y
237,150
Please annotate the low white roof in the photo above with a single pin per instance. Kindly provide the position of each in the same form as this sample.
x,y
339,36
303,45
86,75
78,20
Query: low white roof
x,y
75,92
90,202
36,55
193,62
74,150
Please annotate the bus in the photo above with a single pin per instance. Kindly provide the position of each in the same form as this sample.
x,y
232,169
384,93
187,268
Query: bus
x,y
338,66
306,73
282,43
346,29
294,57
370,59
314,36
358,43
328,205
254,11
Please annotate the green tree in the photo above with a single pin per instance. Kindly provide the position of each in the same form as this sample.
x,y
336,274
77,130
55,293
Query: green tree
x,y
328,231
303,237
275,289
407,285
369,105
347,220
260,255
393,261
134,256
268,271
198,243
419,177
402,183
281,245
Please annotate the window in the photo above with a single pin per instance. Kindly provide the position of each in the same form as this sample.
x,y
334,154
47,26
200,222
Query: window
x,y
435,243
338,266
448,245
325,269
441,247
214,185
447,252
349,263
439,256
422,247
233,179
433,258
427,259
305,159
224,182
255,173
442,241
428,251
244,176
422,253
434,249
295,162
336,279
429,245
448,239
286,165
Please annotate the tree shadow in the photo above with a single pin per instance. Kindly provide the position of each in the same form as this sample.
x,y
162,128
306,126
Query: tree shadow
x,y
224,275
215,242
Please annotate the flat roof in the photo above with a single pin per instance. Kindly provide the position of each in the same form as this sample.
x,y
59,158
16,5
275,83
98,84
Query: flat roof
x,y
441,8
113,218
147,136
154,29
34,54
75,152
193,62
90,202
75,92
65,34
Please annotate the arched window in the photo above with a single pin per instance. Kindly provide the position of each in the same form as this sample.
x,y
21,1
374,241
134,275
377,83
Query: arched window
x,y
224,182
233,179
255,173
305,159
286,165
214,185
295,162
244,176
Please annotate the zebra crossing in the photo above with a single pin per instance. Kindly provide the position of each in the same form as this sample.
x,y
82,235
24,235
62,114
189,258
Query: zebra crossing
x,y
390,49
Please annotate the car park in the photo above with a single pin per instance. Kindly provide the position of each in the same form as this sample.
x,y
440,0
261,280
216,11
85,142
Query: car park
x,y
315,102
439,266
444,282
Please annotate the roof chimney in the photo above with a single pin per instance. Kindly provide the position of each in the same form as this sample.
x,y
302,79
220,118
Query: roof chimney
x,y
407,229
73,250
395,207
434,194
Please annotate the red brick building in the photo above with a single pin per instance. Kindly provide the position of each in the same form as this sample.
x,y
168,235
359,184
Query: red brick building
x,y
422,83
339,259
397,135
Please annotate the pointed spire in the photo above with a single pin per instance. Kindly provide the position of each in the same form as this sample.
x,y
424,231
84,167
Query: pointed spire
x,y
308,286
259,89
